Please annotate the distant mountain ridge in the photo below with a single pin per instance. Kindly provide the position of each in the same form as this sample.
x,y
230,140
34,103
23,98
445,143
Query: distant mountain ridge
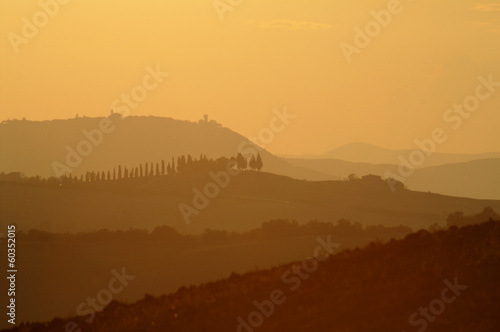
x,y
367,153
476,179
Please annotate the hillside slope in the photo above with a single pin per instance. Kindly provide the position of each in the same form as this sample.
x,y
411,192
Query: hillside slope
x,y
475,179
74,266
378,288
249,199
32,147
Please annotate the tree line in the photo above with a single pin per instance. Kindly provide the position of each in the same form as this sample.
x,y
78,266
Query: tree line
x,y
184,164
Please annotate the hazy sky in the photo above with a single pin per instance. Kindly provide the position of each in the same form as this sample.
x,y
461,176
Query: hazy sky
x,y
264,54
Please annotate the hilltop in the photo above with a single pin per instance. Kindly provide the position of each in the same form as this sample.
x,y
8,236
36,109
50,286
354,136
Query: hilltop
x,y
32,147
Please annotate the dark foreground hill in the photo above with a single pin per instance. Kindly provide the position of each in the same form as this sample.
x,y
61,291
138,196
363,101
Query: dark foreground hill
x,y
443,281
75,266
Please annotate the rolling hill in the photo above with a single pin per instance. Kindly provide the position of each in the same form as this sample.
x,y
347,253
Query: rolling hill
x,y
442,281
249,199
475,179
32,147
74,266
367,153
44,148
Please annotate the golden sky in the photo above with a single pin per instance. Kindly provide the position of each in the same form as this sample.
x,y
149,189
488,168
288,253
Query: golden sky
x,y
264,54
